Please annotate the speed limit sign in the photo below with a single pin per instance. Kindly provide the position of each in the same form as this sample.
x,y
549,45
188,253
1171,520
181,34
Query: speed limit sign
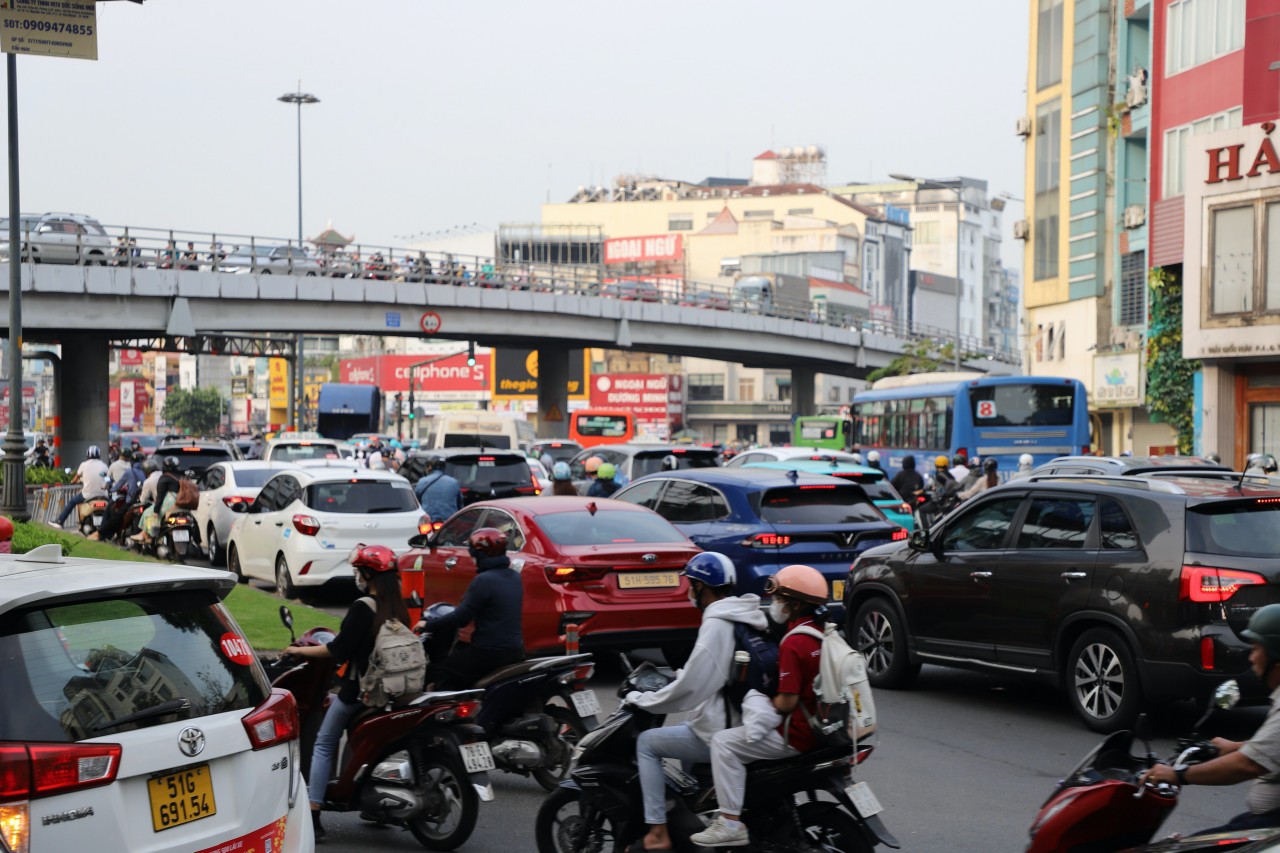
x,y
986,409
430,323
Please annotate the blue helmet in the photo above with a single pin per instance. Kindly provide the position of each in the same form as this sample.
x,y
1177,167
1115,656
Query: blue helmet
x,y
561,471
711,569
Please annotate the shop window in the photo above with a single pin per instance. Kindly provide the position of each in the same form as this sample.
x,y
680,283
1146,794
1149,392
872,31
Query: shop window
x,y
706,386
1245,258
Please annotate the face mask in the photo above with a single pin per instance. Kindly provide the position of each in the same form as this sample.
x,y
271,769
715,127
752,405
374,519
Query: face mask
x,y
361,583
778,612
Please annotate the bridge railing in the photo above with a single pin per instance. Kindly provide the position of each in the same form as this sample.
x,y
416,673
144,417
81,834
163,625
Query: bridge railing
x,y
203,251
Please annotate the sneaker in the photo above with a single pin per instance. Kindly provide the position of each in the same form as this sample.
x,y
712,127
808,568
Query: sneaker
x,y
720,834
56,525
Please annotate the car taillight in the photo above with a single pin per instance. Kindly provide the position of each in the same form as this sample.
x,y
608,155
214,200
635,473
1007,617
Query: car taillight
x,y
237,500
1206,653
436,525
528,490
425,526
906,507
899,535
306,525
273,722
1084,450
45,769
767,540
569,574
1209,585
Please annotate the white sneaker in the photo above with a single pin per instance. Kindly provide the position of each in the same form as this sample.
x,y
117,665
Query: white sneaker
x,y
720,834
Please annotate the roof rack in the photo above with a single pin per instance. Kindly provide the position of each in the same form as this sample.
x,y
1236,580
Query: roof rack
x,y
1128,482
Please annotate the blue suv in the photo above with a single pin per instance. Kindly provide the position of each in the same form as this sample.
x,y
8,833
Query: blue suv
x,y
764,520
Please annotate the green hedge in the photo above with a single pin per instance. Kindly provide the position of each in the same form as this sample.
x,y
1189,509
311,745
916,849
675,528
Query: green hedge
x,y
27,536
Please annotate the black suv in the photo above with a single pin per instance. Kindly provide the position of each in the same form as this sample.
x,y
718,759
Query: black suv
x,y
194,455
1121,590
482,473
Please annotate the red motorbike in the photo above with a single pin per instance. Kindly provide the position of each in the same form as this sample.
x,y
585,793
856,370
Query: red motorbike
x,y
421,762
1102,805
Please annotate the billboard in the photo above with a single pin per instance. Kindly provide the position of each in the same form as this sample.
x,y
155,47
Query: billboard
x,y
515,374
656,400
449,378
279,383
639,250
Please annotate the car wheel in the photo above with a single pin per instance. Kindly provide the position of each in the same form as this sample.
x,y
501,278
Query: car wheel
x,y
233,564
214,546
284,583
879,635
1102,681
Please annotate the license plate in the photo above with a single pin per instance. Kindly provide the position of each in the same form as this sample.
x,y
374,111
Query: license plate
x,y
181,536
648,580
837,590
585,703
178,798
476,757
863,800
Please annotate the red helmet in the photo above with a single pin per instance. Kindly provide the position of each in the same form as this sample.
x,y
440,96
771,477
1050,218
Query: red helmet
x,y
803,583
373,558
488,542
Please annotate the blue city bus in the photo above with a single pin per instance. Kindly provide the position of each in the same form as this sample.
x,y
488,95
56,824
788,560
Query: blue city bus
x,y
927,415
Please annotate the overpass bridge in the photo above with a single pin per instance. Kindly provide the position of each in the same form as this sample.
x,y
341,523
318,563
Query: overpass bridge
x,y
263,289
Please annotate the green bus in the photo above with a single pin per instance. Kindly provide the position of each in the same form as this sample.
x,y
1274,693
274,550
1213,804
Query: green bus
x,y
829,432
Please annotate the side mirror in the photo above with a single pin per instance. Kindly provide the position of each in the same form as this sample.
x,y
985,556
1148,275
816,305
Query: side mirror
x,y
240,507
286,616
918,540
422,540
1227,695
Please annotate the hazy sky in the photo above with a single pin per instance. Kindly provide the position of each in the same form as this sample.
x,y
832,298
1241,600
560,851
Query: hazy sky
x,y
437,114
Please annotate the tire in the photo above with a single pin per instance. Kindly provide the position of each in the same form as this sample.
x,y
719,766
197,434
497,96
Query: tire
x,y
454,803
677,654
233,564
571,731
878,634
284,583
829,828
213,547
1101,680
558,827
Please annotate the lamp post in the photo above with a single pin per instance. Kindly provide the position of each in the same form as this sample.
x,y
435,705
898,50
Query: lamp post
x,y
958,189
296,386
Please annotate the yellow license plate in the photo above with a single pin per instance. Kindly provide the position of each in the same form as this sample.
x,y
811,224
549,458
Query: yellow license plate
x,y
178,798
648,580
837,590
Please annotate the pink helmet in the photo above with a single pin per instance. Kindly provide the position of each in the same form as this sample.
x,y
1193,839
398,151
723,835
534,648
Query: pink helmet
x,y
803,583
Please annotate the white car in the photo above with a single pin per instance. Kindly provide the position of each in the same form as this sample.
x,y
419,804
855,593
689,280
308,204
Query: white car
x,y
783,454
265,260
137,717
64,238
304,523
296,449
223,485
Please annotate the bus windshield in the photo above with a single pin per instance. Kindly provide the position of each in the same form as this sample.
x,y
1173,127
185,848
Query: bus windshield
x,y
1023,405
601,426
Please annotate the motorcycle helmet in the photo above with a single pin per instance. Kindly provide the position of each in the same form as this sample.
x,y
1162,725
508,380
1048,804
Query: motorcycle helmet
x,y
139,457
670,462
435,463
803,583
989,465
1268,463
711,569
1264,628
960,460
593,464
942,462
1026,460
170,464
561,471
606,471
93,452
487,542
150,466
873,456
373,558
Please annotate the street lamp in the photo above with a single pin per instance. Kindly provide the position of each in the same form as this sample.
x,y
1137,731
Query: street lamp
x,y
298,98
958,189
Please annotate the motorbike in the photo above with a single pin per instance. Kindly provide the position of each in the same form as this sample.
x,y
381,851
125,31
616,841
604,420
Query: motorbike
x,y
529,734
599,807
175,538
1102,805
90,514
421,762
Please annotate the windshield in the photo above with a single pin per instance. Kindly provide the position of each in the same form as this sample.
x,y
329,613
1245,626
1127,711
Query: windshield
x,y
77,671
306,450
559,452
468,439
819,430
488,472
817,504
650,461
880,490
361,496
608,528
1235,529
195,458
601,426
1023,405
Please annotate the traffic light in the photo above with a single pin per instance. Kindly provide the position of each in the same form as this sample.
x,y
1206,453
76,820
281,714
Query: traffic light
x,y
412,413
471,354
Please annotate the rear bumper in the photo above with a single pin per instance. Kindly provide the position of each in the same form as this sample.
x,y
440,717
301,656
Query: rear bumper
x,y
1164,681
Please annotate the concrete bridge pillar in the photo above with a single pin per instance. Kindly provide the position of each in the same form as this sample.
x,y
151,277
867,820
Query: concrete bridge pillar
x,y
553,392
82,397
802,391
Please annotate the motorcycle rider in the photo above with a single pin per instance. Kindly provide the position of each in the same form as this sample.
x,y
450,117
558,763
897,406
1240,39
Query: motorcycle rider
x,y
986,480
699,686
1257,758
908,483
167,486
119,465
944,491
92,473
1025,463
798,593
376,576
127,487
873,460
562,480
493,601
39,455
604,485
439,493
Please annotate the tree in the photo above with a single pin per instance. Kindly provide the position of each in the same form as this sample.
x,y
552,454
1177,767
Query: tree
x,y
197,412
920,356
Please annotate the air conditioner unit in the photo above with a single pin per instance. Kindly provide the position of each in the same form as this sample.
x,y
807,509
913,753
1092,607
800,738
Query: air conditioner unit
x,y
1137,94
1022,230
1135,215
1023,126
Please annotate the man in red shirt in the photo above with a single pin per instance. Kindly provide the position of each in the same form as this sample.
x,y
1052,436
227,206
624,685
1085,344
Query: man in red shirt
x,y
798,591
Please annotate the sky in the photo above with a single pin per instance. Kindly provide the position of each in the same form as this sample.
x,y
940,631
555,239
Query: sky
x,y
436,115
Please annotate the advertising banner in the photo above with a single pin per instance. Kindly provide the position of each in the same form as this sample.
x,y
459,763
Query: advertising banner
x,y
66,28
637,250
515,373
279,383
655,400
449,378
130,358
1117,379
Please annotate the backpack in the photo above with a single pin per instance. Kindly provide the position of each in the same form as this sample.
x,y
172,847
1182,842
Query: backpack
x,y
188,495
762,664
397,665
846,711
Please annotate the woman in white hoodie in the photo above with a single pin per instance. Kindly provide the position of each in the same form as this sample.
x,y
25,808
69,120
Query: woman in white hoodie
x,y
699,686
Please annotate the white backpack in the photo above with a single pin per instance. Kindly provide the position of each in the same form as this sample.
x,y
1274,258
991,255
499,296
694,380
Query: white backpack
x,y
397,666
841,681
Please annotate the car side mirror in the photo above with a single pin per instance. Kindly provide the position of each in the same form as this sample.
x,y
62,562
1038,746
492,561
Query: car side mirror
x,y
918,540
422,540
240,507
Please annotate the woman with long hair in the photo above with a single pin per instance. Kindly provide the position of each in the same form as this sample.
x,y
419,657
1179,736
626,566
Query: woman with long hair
x,y
988,480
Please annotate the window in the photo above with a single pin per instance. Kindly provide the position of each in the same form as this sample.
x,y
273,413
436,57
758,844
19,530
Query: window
x,y
746,389
504,523
457,529
1232,282
800,211
214,478
1023,405
1176,141
1271,258
643,494
798,505
928,233
982,529
1133,289
758,214
1117,530
691,503
1049,38
603,528
1056,523
680,222
1199,31
1048,168
364,497
706,386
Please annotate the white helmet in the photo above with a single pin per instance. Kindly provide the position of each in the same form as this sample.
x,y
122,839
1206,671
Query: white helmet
x,y
873,456
1026,460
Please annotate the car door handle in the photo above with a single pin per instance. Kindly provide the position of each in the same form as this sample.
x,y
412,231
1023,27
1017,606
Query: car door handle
x,y
979,576
451,562
1074,576
279,524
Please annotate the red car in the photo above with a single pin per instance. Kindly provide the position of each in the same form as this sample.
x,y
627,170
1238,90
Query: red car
x,y
612,568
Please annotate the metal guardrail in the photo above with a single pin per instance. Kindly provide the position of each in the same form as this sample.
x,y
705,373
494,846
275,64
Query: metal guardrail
x,y
46,503
162,248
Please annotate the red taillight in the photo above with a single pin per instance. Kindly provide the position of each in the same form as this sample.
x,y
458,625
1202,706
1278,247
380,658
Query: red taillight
x,y
436,525
99,504
768,540
1084,450
306,525
1206,653
584,672
1268,500
273,722
1209,585
425,526
899,535
237,500
905,508
816,486
568,574
44,769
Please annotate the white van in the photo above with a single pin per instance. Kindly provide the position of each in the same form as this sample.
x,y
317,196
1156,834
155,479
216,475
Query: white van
x,y
480,429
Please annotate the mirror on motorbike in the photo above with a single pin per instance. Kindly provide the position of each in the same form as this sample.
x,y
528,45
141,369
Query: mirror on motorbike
x,y
415,600
286,616
1227,696
67,471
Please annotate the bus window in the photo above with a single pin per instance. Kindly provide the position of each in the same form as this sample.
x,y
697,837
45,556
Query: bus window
x,y
592,427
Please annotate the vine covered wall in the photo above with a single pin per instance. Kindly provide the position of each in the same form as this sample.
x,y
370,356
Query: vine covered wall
x,y
1170,377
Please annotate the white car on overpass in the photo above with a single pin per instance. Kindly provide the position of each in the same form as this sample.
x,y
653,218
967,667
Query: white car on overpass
x,y
301,529
222,486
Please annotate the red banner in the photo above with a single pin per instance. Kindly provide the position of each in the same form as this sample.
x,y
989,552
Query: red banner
x,y
637,250
391,373
651,398
130,357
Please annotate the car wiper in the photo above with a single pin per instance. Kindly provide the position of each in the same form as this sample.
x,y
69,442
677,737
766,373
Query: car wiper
x,y
173,706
